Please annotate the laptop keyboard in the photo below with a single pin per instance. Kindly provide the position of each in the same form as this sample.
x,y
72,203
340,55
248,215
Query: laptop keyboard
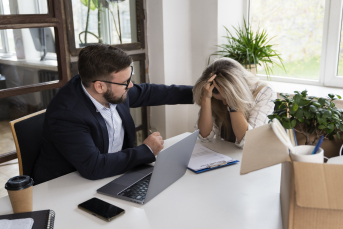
x,y
138,190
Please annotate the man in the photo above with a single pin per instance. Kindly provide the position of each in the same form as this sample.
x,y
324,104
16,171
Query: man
x,y
88,126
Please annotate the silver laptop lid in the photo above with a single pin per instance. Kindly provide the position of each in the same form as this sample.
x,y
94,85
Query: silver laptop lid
x,y
171,164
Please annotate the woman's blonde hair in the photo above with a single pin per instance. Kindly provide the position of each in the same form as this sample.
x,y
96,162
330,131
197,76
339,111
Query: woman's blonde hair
x,y
239,86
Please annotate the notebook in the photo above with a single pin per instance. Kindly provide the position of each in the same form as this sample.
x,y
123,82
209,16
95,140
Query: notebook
x,y
204,159
41,219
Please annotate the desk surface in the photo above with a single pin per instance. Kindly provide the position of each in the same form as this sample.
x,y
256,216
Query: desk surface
x,y
220,198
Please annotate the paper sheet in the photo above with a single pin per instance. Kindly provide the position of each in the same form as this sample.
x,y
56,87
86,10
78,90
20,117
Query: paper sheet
x,y
16,223
203,157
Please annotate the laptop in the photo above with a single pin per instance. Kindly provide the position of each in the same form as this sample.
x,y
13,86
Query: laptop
x,y
144,182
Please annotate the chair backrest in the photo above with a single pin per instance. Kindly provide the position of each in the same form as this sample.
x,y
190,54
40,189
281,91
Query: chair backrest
x,y
27,134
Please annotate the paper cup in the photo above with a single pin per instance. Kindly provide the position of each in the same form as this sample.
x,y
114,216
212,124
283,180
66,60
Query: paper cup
x,y
19,190
303,153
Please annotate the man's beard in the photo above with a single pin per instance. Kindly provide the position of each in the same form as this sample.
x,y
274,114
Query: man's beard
x,y
111,99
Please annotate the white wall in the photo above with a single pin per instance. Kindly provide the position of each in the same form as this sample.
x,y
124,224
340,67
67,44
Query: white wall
x,y
181,35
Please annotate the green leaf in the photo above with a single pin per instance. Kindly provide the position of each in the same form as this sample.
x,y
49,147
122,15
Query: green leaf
x,y
297,98
304,93
95,2
85,3
340,97
293,123
341,127
335,116
316,104
295,107
304,102
331,126
299,114
313,108
307,114
338,136
329,131
321,127
327,113
271,117
321,101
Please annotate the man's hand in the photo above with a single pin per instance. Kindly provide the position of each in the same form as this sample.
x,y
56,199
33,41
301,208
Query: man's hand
x,y
155,142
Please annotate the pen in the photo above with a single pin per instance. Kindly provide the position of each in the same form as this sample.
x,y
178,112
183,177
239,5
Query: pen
x,y
319,143
152,130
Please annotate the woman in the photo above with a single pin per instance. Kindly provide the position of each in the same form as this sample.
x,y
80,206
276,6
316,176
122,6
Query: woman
x,y
232,101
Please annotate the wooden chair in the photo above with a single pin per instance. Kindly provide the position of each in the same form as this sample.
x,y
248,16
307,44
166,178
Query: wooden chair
x,y
27,134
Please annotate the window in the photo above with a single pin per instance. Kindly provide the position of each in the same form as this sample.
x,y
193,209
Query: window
x,y
32,61
307,35
115,22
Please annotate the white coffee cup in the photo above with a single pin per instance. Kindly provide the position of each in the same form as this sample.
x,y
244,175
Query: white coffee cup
x,y
303,153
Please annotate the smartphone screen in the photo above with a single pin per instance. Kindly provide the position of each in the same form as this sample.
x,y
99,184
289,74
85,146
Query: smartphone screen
x,y
101,209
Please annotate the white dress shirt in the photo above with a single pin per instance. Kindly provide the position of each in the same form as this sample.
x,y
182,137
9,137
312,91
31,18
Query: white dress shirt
x,y
113,122
258,115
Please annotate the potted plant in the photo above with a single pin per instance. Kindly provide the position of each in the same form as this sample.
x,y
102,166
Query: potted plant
x,y
101,5
250,49
309,116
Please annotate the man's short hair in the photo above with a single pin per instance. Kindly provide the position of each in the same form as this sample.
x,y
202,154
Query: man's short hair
x,y
97,62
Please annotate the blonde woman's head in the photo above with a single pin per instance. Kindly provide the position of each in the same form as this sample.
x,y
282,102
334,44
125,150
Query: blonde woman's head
x,y
238,86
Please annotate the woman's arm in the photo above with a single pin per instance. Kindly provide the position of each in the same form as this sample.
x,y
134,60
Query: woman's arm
x,y
264,106
239,124
205,123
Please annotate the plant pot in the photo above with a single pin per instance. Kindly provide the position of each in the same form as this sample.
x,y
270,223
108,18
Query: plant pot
x,y
331,147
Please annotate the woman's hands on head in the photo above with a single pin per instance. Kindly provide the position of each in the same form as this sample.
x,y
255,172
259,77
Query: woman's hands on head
x,y
219,89
208,88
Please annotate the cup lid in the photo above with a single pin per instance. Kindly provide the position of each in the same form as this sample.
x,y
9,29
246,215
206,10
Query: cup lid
x,y
19,183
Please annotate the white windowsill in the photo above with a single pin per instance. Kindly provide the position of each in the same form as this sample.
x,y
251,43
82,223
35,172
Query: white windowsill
x,y
313,90
36,64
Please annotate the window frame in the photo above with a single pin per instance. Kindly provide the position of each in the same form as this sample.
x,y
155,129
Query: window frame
x,y
53,19
144,125
330,47
140,17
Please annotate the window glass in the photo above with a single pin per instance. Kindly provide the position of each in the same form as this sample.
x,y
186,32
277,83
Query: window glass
x,y
340,60
298,28
15,107
31,58
114,23
1,45
11,7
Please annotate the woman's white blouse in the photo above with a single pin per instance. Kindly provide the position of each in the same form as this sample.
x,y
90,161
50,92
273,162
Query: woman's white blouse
x,y
258,115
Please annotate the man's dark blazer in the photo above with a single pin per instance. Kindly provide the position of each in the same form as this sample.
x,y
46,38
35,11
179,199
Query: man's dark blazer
x,y
75,136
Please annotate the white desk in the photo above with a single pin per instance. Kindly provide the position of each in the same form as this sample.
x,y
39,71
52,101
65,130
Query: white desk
x,y
220,198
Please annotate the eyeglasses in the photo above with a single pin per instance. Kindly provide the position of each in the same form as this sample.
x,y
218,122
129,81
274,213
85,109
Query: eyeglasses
x,y
124,84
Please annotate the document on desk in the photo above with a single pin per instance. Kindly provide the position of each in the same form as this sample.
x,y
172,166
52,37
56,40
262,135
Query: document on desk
x,y
205,158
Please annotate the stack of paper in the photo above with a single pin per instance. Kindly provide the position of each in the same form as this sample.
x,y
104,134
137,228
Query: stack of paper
x,y
205,158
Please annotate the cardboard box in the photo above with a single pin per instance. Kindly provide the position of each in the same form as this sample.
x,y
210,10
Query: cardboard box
x,y
311,194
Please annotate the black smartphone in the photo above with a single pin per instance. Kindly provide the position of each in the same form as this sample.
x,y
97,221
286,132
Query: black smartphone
x,y
101,209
